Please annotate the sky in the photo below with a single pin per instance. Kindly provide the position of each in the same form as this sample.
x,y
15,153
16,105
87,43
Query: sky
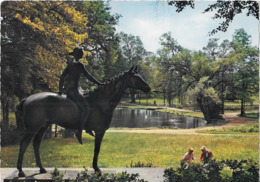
x,y
150,19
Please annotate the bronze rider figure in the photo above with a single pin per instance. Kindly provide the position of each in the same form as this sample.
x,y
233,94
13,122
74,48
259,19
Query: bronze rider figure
x,y
71,75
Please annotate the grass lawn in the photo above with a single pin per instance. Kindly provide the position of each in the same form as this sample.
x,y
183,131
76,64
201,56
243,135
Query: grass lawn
x,y
119,149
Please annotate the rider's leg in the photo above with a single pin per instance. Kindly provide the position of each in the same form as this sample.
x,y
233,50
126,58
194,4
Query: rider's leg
x,y
84,120
85,124
84,108
75,97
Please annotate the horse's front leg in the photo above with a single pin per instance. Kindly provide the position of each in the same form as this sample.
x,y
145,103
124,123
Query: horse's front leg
x,y
98,140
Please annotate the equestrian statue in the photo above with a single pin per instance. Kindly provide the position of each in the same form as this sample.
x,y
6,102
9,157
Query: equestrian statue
x,y
41,110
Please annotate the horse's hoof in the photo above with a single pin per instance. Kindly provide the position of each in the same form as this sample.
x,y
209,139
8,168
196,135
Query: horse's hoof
x,y
21,174
43,171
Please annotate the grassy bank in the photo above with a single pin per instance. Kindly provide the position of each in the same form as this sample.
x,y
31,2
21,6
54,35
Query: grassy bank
x,y
120,149
252,115
252,128
182,112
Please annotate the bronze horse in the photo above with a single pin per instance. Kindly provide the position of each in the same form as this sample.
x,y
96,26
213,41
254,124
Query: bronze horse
x,y
41,110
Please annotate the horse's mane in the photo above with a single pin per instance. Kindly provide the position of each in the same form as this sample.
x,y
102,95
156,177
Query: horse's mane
x,y
102,91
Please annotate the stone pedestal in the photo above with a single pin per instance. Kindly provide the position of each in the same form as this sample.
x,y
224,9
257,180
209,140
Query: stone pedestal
x,y
33,175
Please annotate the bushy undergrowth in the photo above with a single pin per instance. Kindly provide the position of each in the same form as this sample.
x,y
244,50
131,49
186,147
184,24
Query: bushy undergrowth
x,y
215,171
252,115
84,176
56,175
252,128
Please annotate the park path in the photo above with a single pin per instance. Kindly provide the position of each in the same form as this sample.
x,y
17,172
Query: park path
x,y
230,120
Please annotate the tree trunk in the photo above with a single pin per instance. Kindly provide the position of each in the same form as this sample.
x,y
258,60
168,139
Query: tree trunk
x,y
180,94
222,96
169,98
132,93
222,106
210,109
164,97
169,89
5,108
242,112
180,99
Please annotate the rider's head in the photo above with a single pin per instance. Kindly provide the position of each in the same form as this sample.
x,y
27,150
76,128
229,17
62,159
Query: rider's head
x,y
77,53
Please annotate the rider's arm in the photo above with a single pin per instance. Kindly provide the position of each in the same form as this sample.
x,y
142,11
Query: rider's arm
x,y
65,72
90,77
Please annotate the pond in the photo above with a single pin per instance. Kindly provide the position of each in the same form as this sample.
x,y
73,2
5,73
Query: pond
x,y
141,118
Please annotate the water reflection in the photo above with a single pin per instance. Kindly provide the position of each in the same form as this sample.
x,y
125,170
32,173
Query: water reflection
x,y
141,118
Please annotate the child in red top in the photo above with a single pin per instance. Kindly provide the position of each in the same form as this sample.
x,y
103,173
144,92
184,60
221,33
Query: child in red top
x,y
206,154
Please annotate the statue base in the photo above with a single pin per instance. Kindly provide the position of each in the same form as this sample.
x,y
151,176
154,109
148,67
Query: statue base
x,y
33,175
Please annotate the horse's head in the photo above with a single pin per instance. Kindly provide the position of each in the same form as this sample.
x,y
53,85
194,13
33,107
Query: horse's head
x,y
135,81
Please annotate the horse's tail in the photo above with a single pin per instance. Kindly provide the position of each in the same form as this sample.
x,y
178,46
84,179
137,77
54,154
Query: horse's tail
x,y
19,115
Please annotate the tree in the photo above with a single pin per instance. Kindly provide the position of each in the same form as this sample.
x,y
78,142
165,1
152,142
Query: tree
x,y
226,10
219,71
198,76
246,70
180,5
170,48
132,51
132,48
36,37
167,74
102,41
49,31
215,52
229,9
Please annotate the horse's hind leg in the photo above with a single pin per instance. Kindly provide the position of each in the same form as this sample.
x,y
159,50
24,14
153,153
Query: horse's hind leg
x,y
36,145
23,146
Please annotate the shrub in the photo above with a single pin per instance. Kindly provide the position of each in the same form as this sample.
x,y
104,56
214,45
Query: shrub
x,y
56,175
140,164
252,115
215,171
226,173
251,128
84,176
